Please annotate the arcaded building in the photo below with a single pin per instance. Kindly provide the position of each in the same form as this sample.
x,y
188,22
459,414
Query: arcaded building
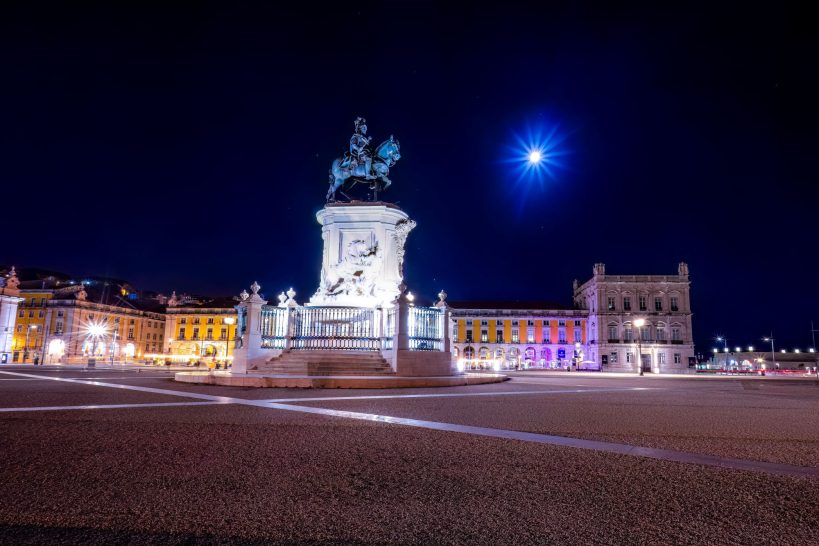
x,y
600,330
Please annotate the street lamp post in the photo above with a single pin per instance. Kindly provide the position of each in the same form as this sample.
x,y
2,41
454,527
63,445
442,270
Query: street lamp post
x,y
773,351
113,345
229,321
639,323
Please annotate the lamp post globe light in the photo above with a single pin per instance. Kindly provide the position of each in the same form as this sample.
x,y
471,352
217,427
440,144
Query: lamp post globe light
x,y
639,323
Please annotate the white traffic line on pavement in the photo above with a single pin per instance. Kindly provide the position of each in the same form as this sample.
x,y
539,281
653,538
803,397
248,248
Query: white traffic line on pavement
x,y
547,439
107,406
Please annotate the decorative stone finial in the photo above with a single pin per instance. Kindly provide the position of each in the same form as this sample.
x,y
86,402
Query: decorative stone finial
x,y
682,269
82,295
282,299
173,301
410,297
291,293
599,269
255,287
12,282
442,296
244,295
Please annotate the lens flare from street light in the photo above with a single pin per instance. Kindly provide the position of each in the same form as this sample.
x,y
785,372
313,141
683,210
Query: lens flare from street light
x,y
535,156
95,329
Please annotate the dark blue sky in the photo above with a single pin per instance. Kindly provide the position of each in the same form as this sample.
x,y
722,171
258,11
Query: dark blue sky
x,y
187,148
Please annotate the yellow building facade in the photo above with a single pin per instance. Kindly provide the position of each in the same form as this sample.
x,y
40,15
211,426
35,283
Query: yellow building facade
x,y
205,333
61,326
504,336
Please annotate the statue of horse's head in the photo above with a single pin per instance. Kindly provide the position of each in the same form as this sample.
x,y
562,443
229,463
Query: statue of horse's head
x,y
389,150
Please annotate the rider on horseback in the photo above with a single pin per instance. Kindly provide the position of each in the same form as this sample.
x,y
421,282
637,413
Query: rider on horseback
x,y
360,150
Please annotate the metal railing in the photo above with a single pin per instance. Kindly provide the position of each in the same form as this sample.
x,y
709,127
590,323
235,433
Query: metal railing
x,y
274,327
426,329
349,328
336,328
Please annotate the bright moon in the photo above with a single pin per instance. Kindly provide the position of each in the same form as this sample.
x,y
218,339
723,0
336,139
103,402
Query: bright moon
x,y
534,156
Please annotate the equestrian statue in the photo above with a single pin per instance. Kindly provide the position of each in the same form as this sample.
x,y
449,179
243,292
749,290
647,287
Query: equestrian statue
x,y
360,164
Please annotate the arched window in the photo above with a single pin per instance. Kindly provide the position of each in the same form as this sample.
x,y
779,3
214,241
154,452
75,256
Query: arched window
x,y
484,353
530,354
614,333
469,353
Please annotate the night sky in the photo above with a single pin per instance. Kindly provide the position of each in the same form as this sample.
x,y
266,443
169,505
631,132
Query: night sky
x,y
187,148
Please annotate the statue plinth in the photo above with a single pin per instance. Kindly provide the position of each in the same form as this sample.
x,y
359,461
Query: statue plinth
x,y
362,262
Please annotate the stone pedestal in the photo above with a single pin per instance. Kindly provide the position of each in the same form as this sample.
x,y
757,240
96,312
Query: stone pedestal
x,y
362,261
250,324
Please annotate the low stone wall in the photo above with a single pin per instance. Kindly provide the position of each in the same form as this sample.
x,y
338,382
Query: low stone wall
x,y
423,363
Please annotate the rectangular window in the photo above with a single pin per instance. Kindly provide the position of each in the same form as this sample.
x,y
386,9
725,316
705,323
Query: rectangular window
x,y
627,303
530,336
41,314
530,323
661,358
515,335
209,333
660,334
131,321
210,320
223,333
196,320
116,320
484,323
643,303
60,313
499,336
183,320
561,335
677,358
658,304
130,333
611,303
31,314
613,358
154,338
469,335
613,333
58,328
561,323
644,334
547,335
182,333
675,303
629,357
19,328
675,334
196,333
484,336
578,334
21,314
628,336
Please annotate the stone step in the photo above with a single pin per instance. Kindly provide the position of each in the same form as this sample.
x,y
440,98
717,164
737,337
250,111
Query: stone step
x,y
325,363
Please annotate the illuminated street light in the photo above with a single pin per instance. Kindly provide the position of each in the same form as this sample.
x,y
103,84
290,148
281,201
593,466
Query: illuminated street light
x,y
229,321
535,157
773,351
750,348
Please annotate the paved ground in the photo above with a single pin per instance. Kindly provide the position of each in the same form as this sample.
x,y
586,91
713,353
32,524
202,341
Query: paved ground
x,y
534,460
